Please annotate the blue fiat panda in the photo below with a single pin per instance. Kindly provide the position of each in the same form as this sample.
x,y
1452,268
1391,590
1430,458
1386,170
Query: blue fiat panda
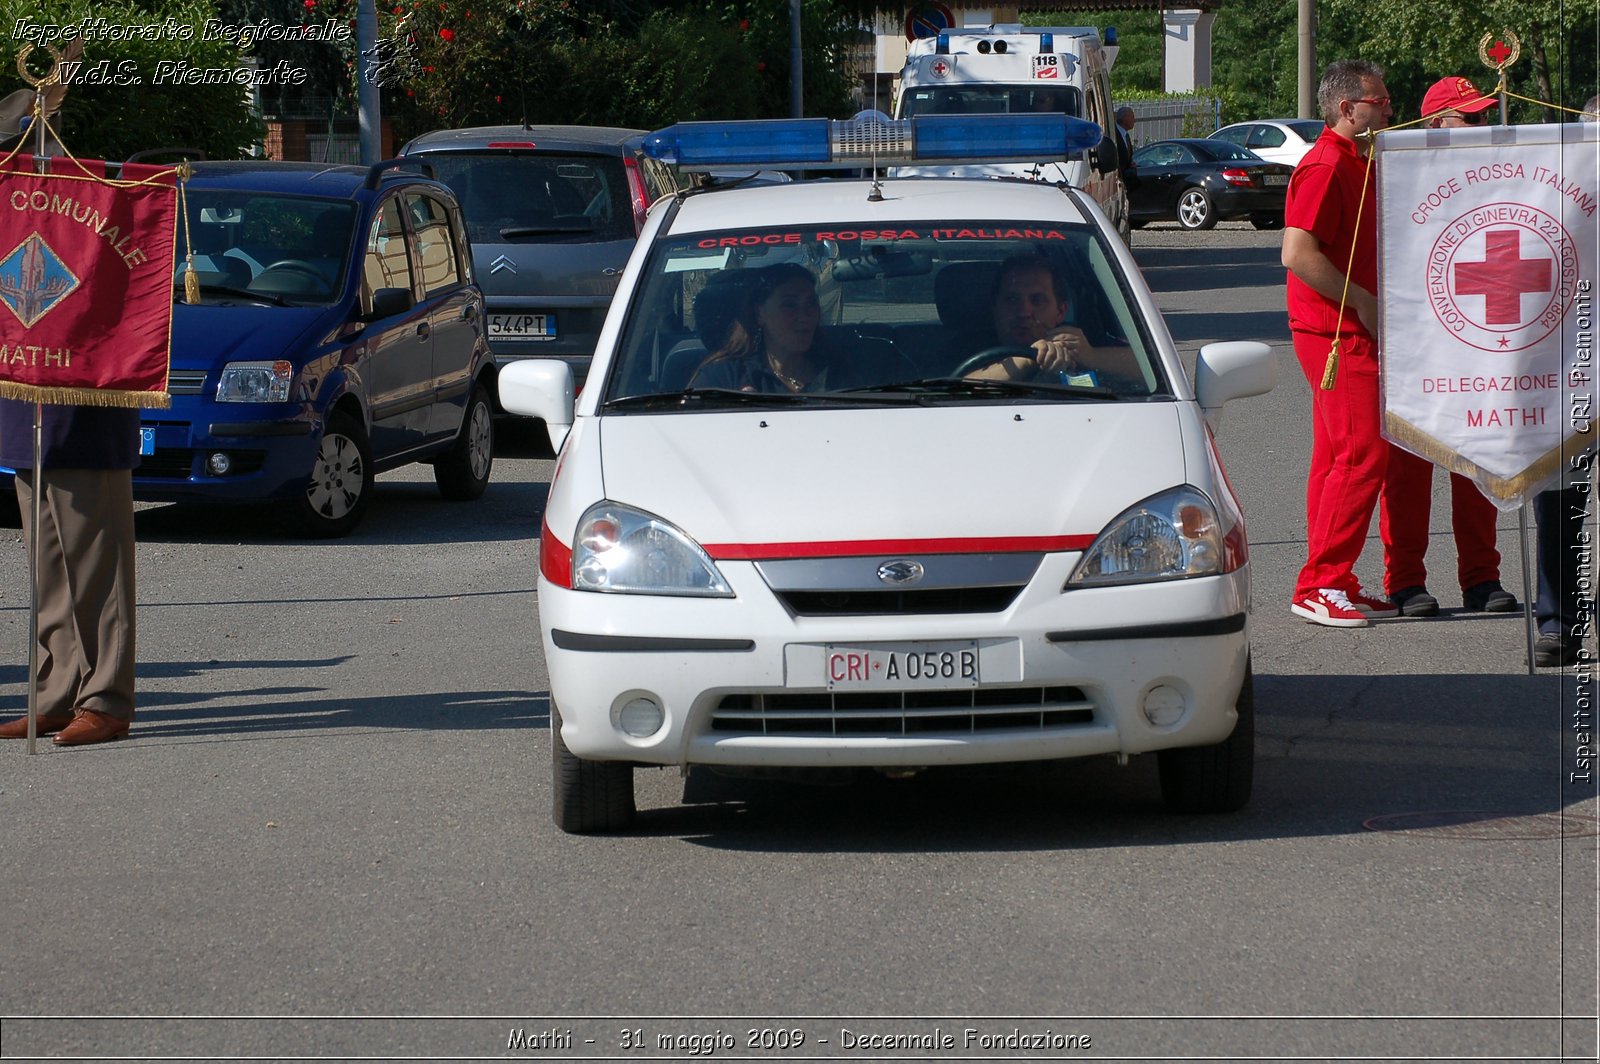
x,y
339,333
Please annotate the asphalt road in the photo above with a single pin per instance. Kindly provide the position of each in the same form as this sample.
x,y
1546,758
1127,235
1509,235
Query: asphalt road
x,y
329,833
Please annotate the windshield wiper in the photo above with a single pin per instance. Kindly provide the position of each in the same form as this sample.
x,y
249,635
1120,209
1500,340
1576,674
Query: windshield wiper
x,y
511,231
984,386
263,297
733,397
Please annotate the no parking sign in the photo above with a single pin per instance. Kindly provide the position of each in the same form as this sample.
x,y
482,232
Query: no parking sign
x,y
928,19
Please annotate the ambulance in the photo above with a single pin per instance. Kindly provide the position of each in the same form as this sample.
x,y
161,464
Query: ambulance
x,y
1010,69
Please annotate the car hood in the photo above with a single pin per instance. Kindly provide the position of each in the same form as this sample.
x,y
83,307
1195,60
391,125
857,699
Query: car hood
x,y
759,478
206,335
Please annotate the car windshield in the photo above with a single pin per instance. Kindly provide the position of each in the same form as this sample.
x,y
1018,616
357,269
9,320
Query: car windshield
x,y
991,100
938,313
282,249
1224,151
518,197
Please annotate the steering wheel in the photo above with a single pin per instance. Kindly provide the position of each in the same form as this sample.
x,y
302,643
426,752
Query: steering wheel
x,y
990,355
305,269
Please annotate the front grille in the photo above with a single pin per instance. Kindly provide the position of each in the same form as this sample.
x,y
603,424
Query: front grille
x,y
185,382
872,603
899,713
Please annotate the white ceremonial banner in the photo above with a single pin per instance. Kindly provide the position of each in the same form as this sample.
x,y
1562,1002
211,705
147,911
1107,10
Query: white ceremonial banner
x,y
1487,246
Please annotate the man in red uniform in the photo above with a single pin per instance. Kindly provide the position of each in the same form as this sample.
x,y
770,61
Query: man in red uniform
x,y
1451,103
1330,247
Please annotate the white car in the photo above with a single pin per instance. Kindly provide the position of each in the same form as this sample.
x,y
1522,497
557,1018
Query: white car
x,y
895,564
1278,140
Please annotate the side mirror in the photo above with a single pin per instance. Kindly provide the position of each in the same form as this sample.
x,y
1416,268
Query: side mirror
x,y
1232,369
387,302
541,388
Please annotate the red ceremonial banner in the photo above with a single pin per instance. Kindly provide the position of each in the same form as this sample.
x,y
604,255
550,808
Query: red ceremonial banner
x,y
86,269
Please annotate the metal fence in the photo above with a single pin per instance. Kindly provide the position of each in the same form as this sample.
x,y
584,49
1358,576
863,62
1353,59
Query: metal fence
x,y
1156,120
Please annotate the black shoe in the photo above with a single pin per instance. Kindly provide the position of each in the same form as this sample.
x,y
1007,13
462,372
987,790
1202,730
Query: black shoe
x,y
1415,602
1489,597
1553,650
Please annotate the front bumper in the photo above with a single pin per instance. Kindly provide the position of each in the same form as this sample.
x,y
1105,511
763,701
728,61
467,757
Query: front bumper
x,y
271,449
743,681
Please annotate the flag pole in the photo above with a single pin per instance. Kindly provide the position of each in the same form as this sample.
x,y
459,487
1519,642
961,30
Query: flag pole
x,y
41,164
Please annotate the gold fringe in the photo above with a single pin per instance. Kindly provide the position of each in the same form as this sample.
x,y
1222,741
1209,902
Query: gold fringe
x,y
191,282
58,396
1500,490
1330,372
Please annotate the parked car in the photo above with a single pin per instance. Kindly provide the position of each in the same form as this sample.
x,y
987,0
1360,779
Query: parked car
x,y
865,567
1277,140
1198,183
552,214
338,334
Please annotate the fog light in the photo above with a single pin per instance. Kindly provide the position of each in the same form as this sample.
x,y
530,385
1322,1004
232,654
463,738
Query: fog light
x,y
1163,705
641,717
219,464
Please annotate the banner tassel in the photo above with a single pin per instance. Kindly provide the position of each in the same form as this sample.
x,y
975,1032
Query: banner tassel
x,y
1331,371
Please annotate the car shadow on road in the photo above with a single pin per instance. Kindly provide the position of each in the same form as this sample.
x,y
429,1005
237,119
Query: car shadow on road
x,y
1169,269
1334,753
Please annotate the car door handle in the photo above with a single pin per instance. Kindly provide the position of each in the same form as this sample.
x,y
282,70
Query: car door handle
x,y
424,330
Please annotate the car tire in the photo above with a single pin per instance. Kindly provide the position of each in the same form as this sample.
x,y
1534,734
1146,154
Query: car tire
x,y
587,796
1195,209
1267,221
340,484
1217,778
462,472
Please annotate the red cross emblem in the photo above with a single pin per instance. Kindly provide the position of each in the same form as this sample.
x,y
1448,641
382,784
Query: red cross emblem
x,y
939,68
1499,52
1503,276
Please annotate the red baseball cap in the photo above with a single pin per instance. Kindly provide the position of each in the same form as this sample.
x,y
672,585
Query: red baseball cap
x,y
1455,94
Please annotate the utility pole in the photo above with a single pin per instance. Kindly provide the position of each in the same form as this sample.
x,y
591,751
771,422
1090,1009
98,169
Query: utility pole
x,y
1307,104
367,100
797,79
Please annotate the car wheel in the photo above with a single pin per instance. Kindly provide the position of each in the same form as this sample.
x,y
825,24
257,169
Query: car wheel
x,y
1218,778
340,485
589,796
462,472
1195,210
1267,221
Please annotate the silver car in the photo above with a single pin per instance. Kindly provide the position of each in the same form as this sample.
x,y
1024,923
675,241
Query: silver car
x,y
552,214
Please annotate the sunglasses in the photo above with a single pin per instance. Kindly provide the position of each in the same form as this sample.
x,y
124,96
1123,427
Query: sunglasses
x,y
1471,120
1375,101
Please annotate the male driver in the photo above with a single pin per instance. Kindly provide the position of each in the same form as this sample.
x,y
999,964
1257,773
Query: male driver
x,y
1452,103
1330,247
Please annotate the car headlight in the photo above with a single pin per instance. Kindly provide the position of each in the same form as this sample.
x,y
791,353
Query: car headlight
x,y
627,551
255,382
1170,536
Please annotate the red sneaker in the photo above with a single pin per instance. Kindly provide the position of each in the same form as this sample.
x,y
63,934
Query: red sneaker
x,y
1329,606
1374,606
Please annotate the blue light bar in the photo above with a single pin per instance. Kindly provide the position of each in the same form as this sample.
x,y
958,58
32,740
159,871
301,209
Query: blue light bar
x,y
1047,43
869,139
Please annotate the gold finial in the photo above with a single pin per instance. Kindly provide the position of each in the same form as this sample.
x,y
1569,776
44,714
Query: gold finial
x,y
52,77
1499,51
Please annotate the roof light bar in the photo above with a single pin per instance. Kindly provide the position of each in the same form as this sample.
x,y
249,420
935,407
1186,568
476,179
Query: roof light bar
x,y
868,139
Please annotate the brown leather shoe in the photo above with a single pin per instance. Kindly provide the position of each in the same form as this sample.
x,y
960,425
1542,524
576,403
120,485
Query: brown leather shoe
x,y
91,726
52,721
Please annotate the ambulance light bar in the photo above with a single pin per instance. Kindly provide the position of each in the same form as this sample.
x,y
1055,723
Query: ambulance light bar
x,y
871,139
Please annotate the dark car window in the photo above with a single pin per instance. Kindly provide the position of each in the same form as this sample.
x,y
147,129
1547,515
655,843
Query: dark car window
x,y
992,99
436,251
523,196
294,248
386,264
1265,137
1233,134
1307,129
1222,151
1159,155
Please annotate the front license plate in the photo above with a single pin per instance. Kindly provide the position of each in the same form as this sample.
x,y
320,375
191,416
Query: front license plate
x,y
147,441
523,326
897,666
1275,179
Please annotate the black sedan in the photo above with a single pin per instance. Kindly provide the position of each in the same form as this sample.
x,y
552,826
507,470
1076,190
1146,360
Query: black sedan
x,y
1201,182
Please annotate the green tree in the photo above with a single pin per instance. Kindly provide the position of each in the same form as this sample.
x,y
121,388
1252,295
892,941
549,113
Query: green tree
x,y
152,106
